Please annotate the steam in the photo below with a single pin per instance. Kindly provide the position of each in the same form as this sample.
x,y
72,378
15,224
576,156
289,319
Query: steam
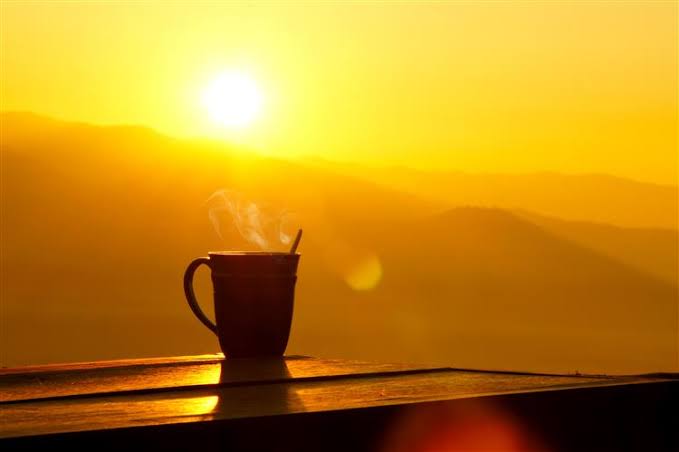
x,y
259,225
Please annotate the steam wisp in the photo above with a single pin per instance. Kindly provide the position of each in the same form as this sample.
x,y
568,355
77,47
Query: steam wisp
x,y
259,225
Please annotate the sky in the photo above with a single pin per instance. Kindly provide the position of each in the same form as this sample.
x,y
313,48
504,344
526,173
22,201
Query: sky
x,y
582,86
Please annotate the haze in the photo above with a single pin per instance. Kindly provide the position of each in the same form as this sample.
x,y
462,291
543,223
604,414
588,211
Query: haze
x,y
489,185
503,87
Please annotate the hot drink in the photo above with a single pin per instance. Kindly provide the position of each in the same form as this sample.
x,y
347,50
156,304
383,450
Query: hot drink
x,y
253,296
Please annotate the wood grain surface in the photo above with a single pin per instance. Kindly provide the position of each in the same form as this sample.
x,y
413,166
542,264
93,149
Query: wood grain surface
x,y
93,398
129,376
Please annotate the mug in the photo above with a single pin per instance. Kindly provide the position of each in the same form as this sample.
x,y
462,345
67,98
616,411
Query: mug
x,y
254,295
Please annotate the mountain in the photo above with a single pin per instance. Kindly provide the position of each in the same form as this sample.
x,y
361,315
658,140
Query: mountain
x,y
107,218
650,250
597,198
493,283
98,224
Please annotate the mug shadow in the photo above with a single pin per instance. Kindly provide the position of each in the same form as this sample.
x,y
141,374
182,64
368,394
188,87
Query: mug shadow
x,y
256,387
244,408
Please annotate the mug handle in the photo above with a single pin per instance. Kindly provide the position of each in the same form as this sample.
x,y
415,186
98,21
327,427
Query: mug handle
x,y
191,297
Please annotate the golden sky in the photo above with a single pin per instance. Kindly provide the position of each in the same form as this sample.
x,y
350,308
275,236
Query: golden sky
x,y
480,86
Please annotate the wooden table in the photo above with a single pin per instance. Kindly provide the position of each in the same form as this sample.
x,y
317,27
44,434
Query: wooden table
x,y
301,403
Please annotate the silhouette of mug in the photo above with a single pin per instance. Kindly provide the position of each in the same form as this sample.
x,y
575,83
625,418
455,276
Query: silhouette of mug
x,y
253,294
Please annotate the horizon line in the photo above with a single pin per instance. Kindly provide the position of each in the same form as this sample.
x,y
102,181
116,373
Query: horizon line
x,y
368,164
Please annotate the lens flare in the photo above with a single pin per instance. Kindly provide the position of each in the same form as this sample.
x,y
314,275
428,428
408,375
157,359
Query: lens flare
x,y
365,274
460,426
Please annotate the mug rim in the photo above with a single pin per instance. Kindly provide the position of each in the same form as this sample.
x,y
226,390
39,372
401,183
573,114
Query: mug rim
x,y
251,253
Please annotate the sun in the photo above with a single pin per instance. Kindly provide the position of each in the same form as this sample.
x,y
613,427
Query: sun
x,y
233,99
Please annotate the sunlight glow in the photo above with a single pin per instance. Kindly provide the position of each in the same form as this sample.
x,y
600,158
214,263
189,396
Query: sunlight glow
x,y
233,99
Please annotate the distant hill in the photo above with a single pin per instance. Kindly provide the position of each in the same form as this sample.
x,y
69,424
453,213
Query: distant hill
x,y
98,224
651,250
499,276
597,198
